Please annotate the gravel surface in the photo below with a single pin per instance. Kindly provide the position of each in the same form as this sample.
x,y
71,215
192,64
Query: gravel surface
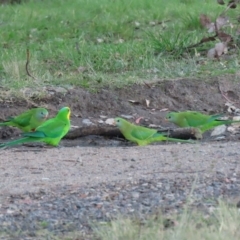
x,y
64,190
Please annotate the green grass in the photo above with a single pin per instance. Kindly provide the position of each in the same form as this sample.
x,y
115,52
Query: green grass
x,y
115,42
223,223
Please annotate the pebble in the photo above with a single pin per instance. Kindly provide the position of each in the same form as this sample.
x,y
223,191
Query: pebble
x,y
218,130
87,122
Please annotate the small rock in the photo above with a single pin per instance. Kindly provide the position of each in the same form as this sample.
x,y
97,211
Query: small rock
x,y
59,90
232,130
218,130
110,121
236,118
135,194
87,122
100,40
152,23
137,24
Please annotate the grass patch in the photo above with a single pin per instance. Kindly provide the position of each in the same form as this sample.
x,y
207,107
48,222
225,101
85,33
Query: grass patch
x,y
92,44
222,223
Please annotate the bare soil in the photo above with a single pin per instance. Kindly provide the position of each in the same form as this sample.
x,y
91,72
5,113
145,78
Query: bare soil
x,y
96,162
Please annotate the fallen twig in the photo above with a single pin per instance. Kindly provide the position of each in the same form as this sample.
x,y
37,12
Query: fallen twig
x,y
26,66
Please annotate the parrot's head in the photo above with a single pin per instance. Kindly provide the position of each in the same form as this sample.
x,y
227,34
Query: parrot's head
x,y
64,113
170,117
118,122
42,113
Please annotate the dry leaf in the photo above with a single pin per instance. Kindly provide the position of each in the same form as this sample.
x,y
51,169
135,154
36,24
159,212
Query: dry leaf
x,y
147,102
134,101
221,2
205,20
110,121
211,27
81,69
211,53
222,21
220,49
163,109
232,4
137,121
224,37
207,23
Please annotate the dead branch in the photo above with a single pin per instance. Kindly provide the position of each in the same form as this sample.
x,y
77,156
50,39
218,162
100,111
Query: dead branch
x,y
108,131
185,133
111,131
26,66
203,40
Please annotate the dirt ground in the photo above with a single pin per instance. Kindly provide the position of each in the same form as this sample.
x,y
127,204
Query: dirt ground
x,y
94,160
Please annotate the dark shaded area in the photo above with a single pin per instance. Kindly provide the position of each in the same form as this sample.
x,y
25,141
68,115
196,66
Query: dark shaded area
x,y
12,1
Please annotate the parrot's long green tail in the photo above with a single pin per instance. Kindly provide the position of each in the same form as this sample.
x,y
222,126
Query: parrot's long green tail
x,y
179,140
3,124
163,138
216,123
19,141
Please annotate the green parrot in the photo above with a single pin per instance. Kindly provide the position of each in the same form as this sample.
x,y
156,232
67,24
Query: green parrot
x,y
142,135
27,121
50,132
196,119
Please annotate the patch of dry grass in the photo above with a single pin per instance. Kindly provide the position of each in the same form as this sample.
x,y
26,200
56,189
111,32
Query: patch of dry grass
x,y
221,224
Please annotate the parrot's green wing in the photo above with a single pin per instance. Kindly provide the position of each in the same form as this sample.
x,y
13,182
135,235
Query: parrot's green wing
x,y
195,119
191,118
22,120
216,123
28,120
143,133
17,121
53,128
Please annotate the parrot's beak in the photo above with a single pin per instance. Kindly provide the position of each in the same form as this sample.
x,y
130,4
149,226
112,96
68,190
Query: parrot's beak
x,y
46,116
114,123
